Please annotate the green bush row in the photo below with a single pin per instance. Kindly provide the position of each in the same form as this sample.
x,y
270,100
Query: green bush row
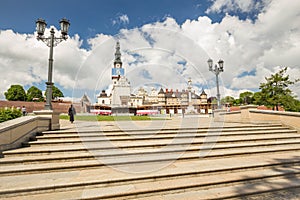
x,y
8,114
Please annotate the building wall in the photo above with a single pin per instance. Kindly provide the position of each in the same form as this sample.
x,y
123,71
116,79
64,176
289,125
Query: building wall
x,y
61,107
104,100
173,101
178,101
136,101
161,99
152,98
118,92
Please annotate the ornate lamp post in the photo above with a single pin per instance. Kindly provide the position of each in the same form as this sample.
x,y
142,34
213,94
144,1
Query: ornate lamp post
x,y
217,70
51,42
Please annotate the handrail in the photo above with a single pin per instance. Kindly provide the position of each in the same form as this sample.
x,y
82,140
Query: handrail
x,y
17,131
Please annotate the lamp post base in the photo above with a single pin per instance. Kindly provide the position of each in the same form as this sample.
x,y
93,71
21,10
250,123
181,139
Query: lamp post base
x,y
54,116
48,105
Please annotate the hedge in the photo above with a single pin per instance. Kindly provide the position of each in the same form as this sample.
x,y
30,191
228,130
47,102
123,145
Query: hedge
x,y
8,114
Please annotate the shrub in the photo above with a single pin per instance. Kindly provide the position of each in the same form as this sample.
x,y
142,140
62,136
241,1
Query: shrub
x,y
8,114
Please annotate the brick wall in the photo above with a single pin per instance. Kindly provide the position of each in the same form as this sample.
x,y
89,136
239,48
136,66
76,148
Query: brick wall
x,y
237,108
61,107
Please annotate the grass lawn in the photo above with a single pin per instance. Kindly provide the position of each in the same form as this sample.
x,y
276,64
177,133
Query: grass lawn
x,y
109,118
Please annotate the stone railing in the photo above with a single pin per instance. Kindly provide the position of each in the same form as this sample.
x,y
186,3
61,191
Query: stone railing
x,y
250,114
291,119
14,132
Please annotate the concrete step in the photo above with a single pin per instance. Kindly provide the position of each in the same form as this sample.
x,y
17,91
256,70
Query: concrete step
x,y
140,135
179,166
164,183
84,160
175,129
199,185
163,141
169,131
75,149
290,191
90,154
262,189
184,163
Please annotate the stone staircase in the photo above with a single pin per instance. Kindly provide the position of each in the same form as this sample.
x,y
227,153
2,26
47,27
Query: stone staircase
x,y
229,161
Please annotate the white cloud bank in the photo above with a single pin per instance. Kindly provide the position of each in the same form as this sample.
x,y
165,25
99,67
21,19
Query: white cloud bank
x,y
121,19
166,53
244,6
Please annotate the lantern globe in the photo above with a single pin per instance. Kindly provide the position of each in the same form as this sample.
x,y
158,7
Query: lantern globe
x,y
40,26
210,64
221,63
64,26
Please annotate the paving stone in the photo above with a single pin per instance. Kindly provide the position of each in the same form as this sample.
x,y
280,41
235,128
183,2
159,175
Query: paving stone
x,y
246,159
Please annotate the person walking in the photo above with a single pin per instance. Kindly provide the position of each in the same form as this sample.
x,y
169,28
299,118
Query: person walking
x,y
71,113
24,111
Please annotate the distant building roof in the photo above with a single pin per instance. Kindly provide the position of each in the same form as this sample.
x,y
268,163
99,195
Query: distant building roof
x,y
203,93
85,98
103,94
177,94
161,91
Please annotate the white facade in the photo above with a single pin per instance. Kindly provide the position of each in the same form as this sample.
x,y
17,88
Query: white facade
x,y
174,102
152,98
104,101
120,94
136,101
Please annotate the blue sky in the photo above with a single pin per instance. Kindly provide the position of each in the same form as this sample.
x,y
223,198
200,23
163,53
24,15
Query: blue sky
x,y
95,16
91,17
255,38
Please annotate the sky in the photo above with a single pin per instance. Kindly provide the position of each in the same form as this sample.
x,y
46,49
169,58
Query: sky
x,y
163,44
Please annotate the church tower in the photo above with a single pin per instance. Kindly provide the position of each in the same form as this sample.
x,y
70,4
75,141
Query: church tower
x,y
121,86
117,70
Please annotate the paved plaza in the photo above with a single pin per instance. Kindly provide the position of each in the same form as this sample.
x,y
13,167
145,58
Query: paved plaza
x,y
176,158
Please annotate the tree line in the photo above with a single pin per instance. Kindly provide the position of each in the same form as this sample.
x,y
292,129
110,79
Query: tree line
x,y
274,92
18,93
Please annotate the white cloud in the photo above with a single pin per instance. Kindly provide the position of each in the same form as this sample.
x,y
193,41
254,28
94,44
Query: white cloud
x,y
24,60
124,19
272,40
235,5
121,19
166,53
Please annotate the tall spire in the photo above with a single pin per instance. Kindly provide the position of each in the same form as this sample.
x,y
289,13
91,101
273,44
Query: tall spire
x,y
190,84
118,54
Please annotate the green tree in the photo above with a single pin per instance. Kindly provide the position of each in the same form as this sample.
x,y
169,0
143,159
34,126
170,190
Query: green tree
x,y
246,97
34,94
227,100
55,92
291,104
237,102
258,99
15,93
275,90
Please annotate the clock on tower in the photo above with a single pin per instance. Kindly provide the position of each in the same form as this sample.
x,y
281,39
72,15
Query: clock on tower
x,y
117,71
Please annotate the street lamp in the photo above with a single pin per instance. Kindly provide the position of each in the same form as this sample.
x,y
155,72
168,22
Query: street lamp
x,y
217,70
51,42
